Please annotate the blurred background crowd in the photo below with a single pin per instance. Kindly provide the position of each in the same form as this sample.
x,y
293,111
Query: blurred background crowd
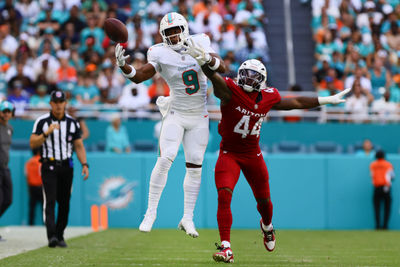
x,y
49,44
357,44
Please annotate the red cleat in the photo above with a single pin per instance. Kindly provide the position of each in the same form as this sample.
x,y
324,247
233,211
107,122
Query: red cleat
x,y
269,238
224,254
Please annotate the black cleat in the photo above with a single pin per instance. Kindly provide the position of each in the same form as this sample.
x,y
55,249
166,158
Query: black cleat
x,y
62,244
53,241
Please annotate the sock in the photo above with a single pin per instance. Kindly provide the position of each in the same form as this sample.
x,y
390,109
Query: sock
x,y
226,244
265,210
224,215
268,227
158,180
191,188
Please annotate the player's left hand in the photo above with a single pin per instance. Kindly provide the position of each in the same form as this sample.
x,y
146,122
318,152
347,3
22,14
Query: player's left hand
x,y
334,99
197,52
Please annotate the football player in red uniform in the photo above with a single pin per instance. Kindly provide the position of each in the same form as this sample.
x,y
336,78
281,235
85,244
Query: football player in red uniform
x,y
244,105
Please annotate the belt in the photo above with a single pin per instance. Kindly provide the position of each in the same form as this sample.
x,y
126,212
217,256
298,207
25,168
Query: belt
x,y
56,162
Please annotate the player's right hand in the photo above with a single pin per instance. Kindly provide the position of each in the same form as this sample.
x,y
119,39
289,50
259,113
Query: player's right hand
x,y
119,55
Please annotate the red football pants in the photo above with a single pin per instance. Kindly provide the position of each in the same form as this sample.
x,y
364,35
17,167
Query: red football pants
x,y
227,172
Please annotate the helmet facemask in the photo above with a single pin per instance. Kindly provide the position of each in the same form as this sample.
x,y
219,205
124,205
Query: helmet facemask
x,y
250,80
181,36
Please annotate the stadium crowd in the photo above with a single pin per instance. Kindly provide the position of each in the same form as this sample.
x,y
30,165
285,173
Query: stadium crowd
x,y
358,46
49,44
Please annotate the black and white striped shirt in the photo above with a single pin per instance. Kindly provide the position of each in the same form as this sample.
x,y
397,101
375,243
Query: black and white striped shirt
x,y
59,144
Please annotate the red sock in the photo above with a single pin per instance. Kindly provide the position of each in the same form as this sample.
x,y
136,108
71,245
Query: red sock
x,y
224,215
265,210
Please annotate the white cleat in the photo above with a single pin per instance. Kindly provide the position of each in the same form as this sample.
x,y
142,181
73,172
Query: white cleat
x,y
147,223
188,227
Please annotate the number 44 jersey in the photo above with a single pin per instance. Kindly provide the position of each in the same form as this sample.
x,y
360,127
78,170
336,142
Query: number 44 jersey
x,y
186,80
242,118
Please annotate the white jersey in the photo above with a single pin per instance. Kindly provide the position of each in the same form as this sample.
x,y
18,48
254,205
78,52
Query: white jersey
x,y
186,80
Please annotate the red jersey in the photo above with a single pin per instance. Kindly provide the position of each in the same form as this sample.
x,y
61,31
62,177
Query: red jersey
x,y
242,118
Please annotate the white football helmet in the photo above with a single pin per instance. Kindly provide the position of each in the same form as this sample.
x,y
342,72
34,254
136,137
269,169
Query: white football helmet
x,y
252,75
171,20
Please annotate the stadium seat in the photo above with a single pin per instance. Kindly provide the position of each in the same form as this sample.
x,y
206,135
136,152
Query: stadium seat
x,y
20,144
101,146
353,148
289,147
326,147
144,145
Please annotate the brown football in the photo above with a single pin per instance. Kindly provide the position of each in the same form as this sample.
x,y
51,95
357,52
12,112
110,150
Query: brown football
x,y
116,30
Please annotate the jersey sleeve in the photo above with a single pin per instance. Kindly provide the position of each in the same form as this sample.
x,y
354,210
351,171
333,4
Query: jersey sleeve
x,y
38,127
203,40
78,132
277,95
153,58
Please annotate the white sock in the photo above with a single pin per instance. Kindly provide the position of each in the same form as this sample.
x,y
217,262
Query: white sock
x,y
191,188
268,227
158,180
225,244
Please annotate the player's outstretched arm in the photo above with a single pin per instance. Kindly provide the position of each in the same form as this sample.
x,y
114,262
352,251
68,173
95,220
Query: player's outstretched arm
x,y
213,60
144,73
303,102
221,90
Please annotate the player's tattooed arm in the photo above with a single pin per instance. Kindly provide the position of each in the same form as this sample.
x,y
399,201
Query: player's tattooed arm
x,y
221,90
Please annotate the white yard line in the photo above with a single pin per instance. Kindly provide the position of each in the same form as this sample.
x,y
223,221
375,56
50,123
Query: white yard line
x,y
19,239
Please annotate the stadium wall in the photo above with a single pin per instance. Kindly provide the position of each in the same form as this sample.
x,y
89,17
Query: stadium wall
x,y
385,135
309,191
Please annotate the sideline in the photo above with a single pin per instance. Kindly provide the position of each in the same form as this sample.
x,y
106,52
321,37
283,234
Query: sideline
x,y
20,239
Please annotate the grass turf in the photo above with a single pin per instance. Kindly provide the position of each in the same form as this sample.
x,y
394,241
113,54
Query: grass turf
x,y
129,247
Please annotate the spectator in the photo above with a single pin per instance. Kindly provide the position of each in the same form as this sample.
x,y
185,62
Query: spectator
x,y
41,99
134,96
8,44
34,179
117,139
65,73
382,174
357,104
384,109
395,89
111,82
380,78
358,75
18,98
6,131
367,149
87,93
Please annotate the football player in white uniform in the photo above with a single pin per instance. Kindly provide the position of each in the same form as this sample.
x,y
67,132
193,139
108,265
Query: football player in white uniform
x,y
185,117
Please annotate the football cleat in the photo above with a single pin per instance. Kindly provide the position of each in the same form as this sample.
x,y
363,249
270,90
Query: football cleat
x,y
188,227
269,238
147,223
224,254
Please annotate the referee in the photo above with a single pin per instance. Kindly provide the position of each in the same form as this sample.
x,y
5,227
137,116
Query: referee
x,y
58,134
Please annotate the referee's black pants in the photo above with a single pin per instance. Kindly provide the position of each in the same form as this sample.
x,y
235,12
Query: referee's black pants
x,y
5,189
382,194
57,184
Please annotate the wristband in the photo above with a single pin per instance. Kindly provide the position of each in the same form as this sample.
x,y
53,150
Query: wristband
x,y
323,100
45,135
85,164
131,74
216,65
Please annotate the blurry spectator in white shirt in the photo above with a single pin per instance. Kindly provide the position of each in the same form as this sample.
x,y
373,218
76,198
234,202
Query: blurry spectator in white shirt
x,y
8,44
134,96
383,108
159,7
358,75
357,104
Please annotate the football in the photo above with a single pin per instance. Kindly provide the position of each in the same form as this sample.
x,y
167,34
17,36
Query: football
x,y
116,30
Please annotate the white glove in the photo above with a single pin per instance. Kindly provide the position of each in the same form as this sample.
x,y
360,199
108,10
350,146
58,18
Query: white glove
x,y
119,55
334,99
196,51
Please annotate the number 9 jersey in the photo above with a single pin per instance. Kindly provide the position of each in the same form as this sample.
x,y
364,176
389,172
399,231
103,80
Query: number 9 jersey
x,y
186,80
242,118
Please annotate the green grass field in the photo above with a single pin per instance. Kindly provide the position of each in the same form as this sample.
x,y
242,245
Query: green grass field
x,y
129,247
